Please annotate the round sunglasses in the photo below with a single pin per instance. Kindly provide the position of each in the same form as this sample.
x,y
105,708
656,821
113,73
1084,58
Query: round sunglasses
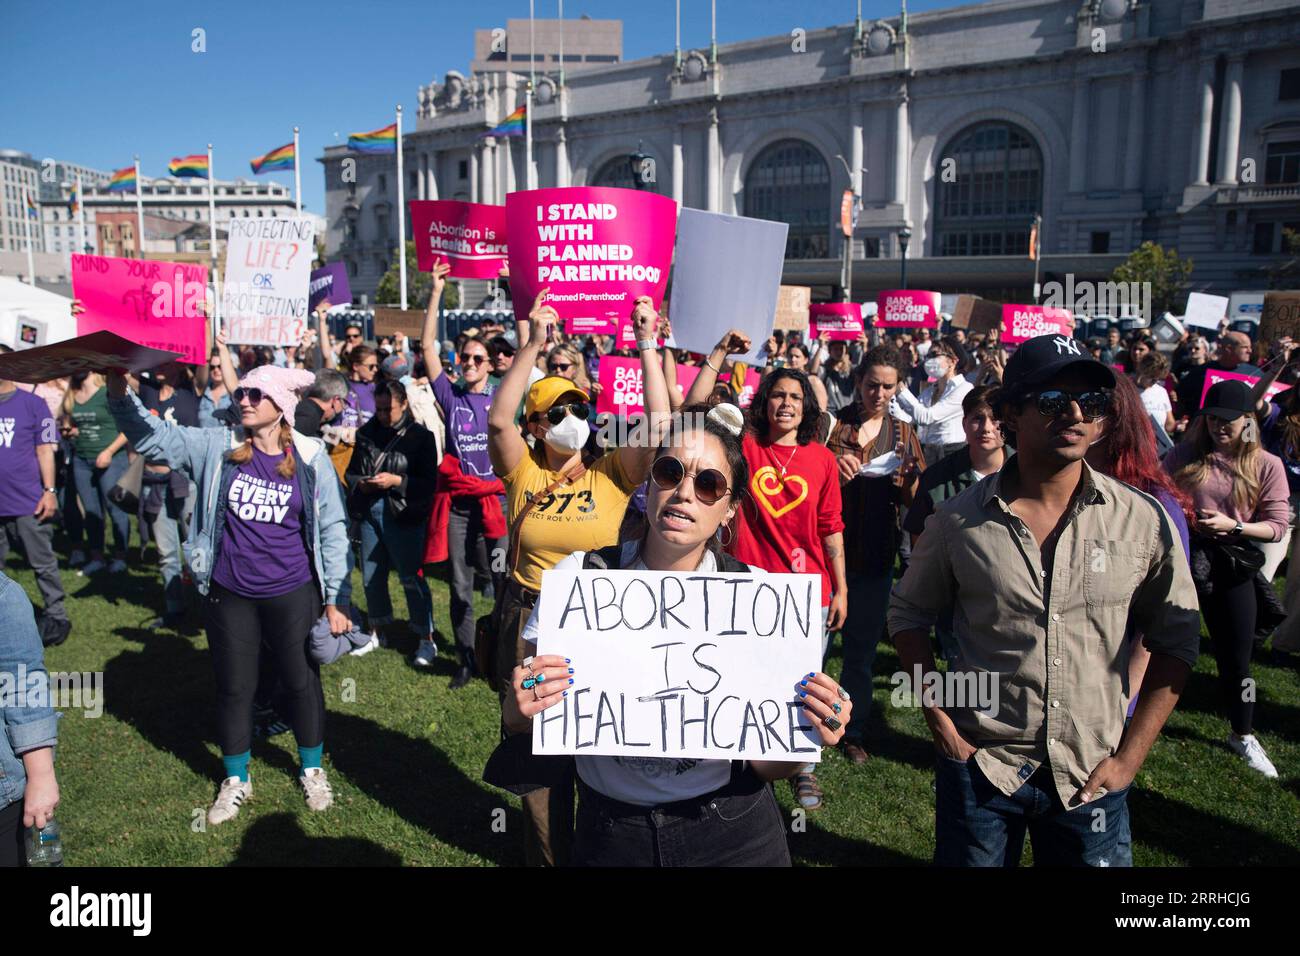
x,y
710,484
254,396
475,358
1054,402
555,414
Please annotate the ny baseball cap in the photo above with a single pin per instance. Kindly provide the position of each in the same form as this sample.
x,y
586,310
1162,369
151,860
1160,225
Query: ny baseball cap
x,y
1043,357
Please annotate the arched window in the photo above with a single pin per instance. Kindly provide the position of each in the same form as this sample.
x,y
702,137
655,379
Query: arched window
x,y
790,182
618,172
987,196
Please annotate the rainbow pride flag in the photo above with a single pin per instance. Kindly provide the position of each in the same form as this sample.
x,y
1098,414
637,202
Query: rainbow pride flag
x,y
189,167
282,157
74,202
376,141
122,179
512,125
32,212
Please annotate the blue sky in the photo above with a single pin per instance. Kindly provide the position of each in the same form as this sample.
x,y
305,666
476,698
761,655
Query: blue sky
x,y
96,83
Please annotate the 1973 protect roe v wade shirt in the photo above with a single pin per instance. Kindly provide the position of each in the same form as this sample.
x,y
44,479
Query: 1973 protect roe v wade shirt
x,y
262,552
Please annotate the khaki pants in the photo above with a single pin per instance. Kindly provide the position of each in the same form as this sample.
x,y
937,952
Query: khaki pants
x,y
548,814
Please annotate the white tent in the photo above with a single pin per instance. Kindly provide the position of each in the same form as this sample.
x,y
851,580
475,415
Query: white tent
x,y
30,316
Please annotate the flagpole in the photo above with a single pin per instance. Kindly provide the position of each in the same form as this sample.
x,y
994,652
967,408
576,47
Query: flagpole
x,y
297,175
401,209
81,218
27,231
139,208
528,106
212,249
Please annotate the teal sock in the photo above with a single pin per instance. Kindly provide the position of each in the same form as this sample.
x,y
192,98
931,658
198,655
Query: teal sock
x,y
236,765
310,756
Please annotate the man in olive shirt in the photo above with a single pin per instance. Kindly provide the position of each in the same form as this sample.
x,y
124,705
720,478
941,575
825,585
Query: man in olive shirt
x,y
1044,565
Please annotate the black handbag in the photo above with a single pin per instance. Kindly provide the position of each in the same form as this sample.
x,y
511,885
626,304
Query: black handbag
x,y
358,501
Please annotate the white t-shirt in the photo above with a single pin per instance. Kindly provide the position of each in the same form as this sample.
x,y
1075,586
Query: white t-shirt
x,y
642,781
1155,400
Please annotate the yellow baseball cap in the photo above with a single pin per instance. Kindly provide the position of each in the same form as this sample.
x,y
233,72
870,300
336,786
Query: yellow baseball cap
x,y
547,391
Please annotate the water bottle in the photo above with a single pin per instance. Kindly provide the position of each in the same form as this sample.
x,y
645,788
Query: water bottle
x,y
44,847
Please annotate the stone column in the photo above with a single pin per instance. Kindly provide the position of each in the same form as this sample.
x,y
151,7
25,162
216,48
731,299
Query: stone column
x,y
1230,122
712,158
902,152
678,169
1201,132
1079,136
431,188
561,158
473,175
1137,112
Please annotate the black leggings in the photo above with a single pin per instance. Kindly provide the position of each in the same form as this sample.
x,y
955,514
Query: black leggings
x,y
13,846
1230,619
238,628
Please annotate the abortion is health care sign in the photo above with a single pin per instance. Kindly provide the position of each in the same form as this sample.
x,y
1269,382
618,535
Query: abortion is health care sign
x,y
470,236
158,304
268,264
679,665
1023,322
596,248
842,320
907,309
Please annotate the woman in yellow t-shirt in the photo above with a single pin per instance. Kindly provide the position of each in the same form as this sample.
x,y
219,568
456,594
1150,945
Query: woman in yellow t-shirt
x,y
583,513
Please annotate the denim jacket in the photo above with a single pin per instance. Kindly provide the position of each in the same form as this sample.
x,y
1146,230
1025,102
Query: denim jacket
x,y
201,452
28,722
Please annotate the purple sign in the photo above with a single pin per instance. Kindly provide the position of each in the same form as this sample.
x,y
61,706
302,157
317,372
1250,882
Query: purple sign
x,y
329,284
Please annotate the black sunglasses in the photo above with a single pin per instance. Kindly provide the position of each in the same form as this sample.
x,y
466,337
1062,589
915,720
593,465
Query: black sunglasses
x,y
560,367
710,484
1054,402
555,414
475,359
254,396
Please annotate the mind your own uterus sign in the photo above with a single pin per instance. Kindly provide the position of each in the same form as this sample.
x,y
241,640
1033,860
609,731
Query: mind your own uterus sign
x,y
681,664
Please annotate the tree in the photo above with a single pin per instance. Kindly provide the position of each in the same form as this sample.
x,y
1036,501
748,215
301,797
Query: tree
x,y
1163,269
1285,274
418,285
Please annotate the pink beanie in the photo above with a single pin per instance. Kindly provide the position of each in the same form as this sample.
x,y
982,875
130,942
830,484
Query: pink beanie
x,y
280,385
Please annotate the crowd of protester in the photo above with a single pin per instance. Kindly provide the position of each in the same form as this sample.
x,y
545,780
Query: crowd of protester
x,y
1006,510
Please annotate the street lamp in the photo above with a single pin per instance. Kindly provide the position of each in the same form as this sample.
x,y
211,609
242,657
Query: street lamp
x,y
636,161
904,237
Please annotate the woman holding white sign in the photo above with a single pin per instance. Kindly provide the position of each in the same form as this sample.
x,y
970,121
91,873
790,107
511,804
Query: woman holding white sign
x,y
669,812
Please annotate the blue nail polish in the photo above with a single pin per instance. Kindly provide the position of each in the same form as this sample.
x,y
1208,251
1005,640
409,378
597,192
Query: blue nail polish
x,y
570,670
567,661
564,693
570,680
812,674
541,678
803,683
803,693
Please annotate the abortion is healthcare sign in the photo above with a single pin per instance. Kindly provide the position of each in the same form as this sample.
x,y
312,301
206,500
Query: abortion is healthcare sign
x,y
597,248
842,320
1023,322
268,262
470,236
907,309
158,304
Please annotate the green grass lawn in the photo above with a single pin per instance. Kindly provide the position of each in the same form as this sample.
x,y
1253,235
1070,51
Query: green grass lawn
x,y
405,756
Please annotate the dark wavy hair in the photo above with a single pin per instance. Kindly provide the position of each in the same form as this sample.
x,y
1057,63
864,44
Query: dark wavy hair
x,y
758,422
1129,446
885,355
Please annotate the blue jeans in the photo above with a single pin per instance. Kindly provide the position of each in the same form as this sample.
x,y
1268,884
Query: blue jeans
x,y
976,824
863,629
387,545
167,536
93,485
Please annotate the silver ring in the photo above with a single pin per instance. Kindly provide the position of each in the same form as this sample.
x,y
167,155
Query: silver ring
x,y
526,662
536,696
830,722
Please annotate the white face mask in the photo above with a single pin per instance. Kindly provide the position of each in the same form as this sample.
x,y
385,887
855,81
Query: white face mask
x,y
936,367
569,436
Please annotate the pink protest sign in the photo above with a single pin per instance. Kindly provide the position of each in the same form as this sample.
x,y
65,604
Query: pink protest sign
x,y
471,236
1214,376
842,320
1023,322
597,248
907,309
621,392
157,304
595,325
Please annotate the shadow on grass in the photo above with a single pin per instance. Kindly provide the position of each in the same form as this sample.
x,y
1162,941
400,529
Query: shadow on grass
x,y
278,840
1202,839
818,847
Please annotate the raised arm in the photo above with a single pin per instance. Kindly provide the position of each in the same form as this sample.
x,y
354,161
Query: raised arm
x,y
179,446
429,334
734,342
228,373
1261,388
670,366
506,447
658,408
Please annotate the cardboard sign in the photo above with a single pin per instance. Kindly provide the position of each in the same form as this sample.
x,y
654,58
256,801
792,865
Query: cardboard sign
x,y
748,255
158,304
329,284
268,264
792,308
841,320
389,321
86,353
596,248
680,665
976,315
1205,311
1281,316
1023,322
1214,376
470,236
907,309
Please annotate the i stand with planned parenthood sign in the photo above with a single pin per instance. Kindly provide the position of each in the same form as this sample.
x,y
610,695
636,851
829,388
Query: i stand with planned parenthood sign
x,y
680,664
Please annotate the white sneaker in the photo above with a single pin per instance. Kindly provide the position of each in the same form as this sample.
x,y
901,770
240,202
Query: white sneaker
x,y
232,794
77,558
367,647
316,787
91,567
425,653
1250,748
117,566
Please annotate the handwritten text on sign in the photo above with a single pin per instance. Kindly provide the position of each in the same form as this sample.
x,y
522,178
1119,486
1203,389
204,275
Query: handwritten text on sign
x,y
268,262
158,304
676,664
